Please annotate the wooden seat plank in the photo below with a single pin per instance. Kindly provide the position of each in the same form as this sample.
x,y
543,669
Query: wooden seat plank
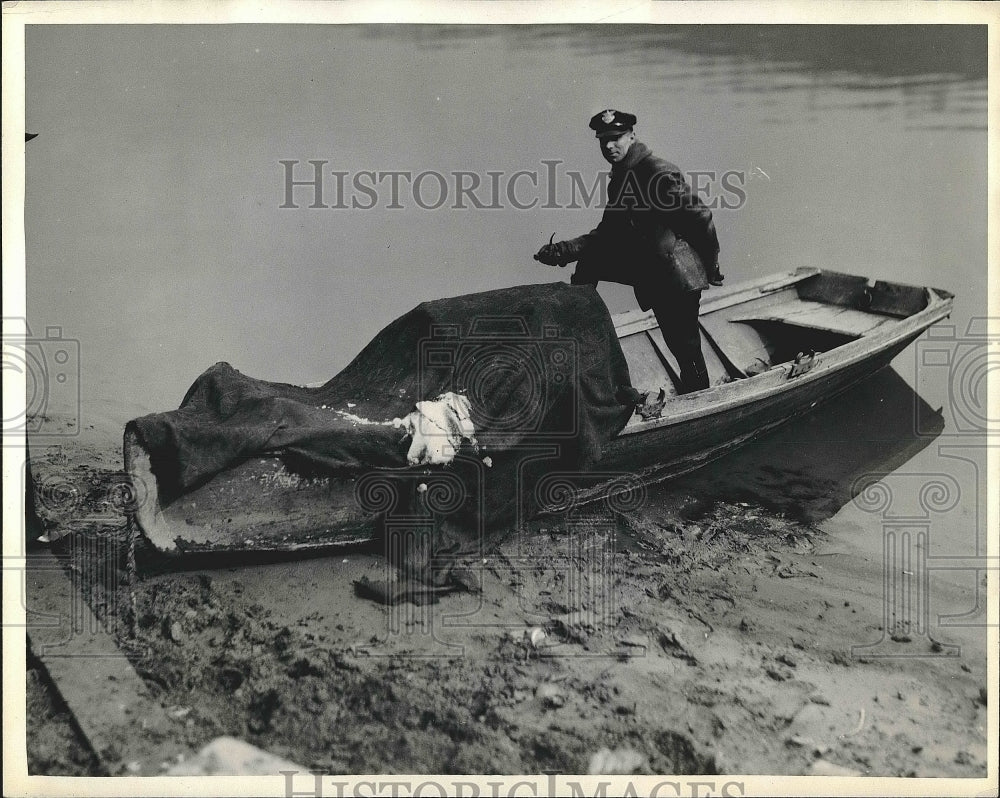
x,y
819,316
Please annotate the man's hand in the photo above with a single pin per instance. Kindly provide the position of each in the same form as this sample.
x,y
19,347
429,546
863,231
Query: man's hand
x,y
556,254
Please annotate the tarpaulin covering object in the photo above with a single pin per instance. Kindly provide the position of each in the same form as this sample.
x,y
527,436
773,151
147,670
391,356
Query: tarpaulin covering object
x,y
540,365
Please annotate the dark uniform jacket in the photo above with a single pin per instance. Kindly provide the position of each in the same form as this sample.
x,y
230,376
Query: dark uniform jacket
x,y
656,234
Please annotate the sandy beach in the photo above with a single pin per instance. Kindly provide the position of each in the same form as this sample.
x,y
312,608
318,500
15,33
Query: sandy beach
x,y
723,624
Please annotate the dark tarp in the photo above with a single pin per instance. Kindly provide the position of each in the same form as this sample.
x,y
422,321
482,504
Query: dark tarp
x,y
540,364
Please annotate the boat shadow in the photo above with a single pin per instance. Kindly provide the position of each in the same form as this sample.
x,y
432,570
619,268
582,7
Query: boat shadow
x,y
811,467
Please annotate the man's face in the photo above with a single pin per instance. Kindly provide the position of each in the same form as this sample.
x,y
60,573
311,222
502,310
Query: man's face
x,y
614,148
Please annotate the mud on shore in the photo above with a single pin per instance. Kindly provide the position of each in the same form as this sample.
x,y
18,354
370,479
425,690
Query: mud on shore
x,y
691,635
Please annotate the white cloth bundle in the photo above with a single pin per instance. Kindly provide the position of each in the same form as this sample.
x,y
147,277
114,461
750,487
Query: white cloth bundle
x,y
437,428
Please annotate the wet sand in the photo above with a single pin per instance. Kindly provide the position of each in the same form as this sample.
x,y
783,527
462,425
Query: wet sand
x,y
722,625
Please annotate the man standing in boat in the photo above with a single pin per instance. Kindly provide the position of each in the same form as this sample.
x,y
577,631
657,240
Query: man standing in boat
x,y
656,235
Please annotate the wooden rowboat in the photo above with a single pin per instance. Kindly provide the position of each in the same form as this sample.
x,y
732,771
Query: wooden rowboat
x,y
775,347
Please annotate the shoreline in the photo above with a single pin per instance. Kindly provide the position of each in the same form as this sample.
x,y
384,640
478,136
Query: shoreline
x,y
714,634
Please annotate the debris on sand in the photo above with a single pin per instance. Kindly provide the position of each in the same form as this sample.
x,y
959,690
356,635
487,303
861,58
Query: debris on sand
x,y
637,642
385,592
227,756
573,628
798,741
177,712
674,644
550,695
857,729
823,768
176,633
777,674
619,762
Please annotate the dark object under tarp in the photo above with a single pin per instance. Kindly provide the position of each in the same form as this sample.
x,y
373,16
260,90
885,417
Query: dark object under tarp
x,y
540,364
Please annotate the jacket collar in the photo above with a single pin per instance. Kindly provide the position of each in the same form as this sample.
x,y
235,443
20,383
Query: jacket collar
x,y
637,152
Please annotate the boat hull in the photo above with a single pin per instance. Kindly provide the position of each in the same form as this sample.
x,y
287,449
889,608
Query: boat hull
x,y
673,449
261,505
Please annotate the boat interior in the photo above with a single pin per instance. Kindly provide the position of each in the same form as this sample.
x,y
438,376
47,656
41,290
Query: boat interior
x,y
750,329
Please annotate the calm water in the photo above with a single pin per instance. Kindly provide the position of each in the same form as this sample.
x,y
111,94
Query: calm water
x,y
156,239
155,235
